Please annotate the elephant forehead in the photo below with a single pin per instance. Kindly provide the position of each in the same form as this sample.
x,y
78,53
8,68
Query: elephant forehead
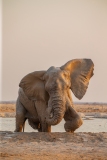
x,y
56,74
52,73
58,69
59,73
52,68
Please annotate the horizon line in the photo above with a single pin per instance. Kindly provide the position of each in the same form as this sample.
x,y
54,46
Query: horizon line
x,y
14,101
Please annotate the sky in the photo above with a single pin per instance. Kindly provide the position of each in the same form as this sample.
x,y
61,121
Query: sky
x,y
37,34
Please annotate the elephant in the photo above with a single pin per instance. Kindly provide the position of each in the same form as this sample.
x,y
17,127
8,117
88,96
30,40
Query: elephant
x,y
44,97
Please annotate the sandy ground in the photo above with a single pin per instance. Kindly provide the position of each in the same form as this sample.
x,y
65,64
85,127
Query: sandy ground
x,y
53,146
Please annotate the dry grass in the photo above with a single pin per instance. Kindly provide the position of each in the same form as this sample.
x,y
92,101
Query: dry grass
x,y
79,108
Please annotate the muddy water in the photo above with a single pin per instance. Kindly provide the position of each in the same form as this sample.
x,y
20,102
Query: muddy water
x,y
90,125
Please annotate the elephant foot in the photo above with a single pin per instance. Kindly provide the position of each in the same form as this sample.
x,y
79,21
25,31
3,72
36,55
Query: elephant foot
x,y
67,130
39,128
72,125
17,130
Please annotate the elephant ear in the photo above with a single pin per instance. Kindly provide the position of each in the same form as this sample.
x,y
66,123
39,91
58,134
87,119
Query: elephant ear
x,y
81,70
33,86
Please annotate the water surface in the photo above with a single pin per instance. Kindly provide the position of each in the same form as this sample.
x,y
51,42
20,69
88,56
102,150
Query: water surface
x,y
89,125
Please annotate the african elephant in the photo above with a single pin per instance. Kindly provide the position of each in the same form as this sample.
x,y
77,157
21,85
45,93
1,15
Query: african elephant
x,y
45,97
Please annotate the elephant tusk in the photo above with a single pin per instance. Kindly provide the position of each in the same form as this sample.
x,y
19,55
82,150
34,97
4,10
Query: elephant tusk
x,y
50,112
51,115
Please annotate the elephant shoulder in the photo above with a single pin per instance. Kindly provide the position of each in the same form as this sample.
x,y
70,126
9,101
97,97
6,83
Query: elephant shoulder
x,y
23,98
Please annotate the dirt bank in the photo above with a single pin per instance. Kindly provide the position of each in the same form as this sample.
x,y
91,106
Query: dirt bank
x,y
53,146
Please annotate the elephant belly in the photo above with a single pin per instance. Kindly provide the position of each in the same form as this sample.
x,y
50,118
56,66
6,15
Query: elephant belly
x,y
32,118
34,123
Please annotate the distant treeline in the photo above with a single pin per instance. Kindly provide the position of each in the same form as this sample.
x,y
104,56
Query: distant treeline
x,y
91,103
84,103
7,102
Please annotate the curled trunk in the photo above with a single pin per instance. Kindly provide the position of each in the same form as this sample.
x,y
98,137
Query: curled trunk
x,y
55,110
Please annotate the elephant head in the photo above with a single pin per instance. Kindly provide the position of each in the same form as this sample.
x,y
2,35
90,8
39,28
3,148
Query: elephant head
x,y
52,86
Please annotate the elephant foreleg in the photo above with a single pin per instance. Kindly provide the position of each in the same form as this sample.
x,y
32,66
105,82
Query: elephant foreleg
x,y
73,120
20,116
41,109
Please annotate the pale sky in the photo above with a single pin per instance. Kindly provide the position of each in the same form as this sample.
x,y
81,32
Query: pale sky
x,y
37,34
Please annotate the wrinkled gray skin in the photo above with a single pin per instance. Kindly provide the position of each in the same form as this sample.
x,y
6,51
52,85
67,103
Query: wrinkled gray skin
x,y
45,98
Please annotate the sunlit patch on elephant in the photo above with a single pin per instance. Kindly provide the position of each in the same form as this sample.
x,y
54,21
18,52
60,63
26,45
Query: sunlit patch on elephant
x,y
45,98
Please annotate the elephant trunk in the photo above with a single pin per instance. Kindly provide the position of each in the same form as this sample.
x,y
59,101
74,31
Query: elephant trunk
x,y
55,110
